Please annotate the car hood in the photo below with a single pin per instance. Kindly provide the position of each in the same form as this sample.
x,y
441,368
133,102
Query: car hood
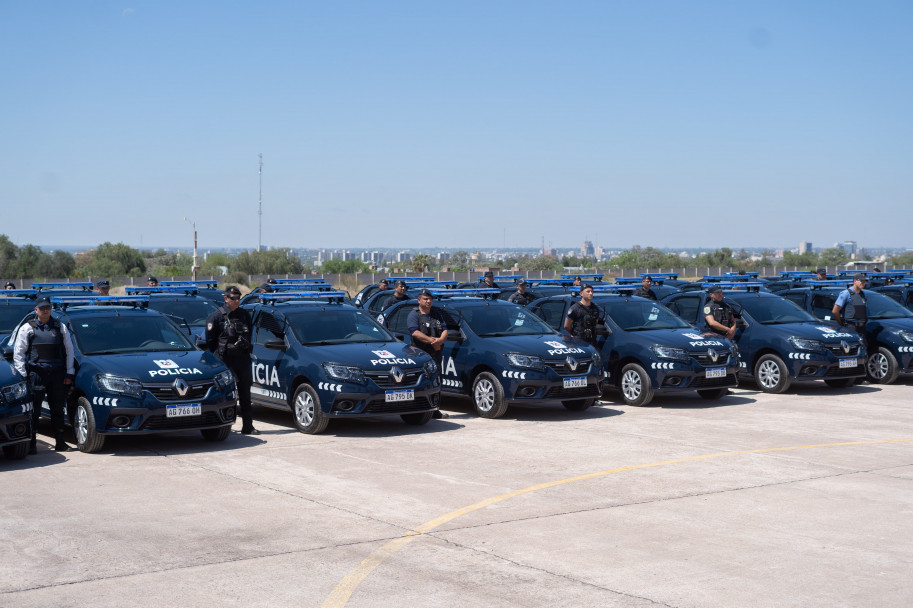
x,y
686,338
547,346
158,367
823,331
895,324
8,373
369,355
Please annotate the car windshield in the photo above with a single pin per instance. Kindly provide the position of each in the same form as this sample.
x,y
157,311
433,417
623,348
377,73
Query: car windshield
x,y
12,312
631,315
195,312
336,327
492,321
774,311
880,306
105,334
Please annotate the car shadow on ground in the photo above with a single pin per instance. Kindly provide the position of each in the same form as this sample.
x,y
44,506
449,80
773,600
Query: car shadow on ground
x,y
813,388
689,400
389,425
45,457
462,408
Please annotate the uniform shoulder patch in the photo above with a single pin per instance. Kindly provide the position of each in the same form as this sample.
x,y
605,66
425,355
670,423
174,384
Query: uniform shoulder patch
x,y
209,326
706,310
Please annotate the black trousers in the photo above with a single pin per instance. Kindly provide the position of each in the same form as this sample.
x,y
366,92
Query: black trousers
x,y
48,384
240,367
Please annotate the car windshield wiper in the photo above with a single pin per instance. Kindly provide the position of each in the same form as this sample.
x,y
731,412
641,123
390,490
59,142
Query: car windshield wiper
x,y
643,328
113,351
324,342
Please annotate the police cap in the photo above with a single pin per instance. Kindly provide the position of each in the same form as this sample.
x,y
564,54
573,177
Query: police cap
x,y
42,301
271,281
586,286
521,282
860,277
151,278
425,292
10,285
714,289
489,273
400,282
103,283
266,287
231,290
821,270
383,282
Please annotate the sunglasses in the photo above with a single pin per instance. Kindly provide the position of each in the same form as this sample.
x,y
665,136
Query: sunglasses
x,y
233,298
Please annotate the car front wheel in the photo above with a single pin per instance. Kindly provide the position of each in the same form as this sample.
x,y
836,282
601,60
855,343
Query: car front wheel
x,y
771,374
88,439
488,396
636,388
309,418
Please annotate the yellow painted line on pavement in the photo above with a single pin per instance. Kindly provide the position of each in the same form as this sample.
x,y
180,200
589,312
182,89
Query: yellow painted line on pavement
x,y
343,591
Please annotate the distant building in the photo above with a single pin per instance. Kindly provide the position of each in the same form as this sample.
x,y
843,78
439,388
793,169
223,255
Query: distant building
x,y
587,250
848,246
805,247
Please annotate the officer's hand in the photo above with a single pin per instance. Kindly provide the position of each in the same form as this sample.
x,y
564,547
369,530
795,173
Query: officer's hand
x,y
731,332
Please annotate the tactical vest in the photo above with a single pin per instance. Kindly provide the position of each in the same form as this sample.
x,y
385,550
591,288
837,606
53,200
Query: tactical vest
x,y
521,298
722,315
585,327
855,309
46,348
234,339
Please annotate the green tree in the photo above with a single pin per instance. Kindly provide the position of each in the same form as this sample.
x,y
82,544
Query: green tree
x,y
904,259
343,267
9,253
459,261
421,262
113,260
275,261
833,257
808,259
720,257
542,262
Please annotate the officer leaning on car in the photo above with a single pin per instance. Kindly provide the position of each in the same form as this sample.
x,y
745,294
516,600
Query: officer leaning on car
x,y
43,353
228,333
522,296
583,316
850,307
645,292
718,314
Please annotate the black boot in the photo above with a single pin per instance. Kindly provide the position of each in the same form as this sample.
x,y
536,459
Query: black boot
x,y
33,447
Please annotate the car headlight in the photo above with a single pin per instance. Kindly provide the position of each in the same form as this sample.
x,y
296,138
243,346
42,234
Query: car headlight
x,y
527,361
806,344
669,352
224,380
906,335
346,373
430,369
119,385
13,392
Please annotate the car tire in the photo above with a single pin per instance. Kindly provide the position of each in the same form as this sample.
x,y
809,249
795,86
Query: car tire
x,y
578,405
635,386
17,451
771,375
88,439
713,393
840,382
417,419
306,411
881,366
488,396
219,434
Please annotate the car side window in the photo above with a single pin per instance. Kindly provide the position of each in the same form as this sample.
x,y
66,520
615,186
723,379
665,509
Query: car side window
x,y
797,299
267,328
687,308
552,313
396,321
909,298
822,305
894,294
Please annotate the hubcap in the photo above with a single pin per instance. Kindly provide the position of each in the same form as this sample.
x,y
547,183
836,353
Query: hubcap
x,y
631,385
769,374
304,409
878,366
82,425
485,395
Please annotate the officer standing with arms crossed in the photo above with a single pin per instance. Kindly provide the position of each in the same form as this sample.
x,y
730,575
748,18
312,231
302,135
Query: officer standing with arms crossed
x,y
645,292
429,331
43,353
583,316
851,301
719,316
228,333
522,296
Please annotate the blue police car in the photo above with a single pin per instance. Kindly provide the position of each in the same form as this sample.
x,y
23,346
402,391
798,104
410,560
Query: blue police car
x,y
322,359
888,330
182,304
648,350
778,341
14,305
138,373
901,292
15,413
498,354
204,288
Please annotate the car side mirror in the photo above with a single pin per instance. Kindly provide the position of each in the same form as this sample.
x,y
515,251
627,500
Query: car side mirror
x,y
456,335
275,344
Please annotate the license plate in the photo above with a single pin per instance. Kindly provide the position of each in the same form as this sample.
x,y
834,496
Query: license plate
x,y
844,363
176,411
404,395
575,382
716,372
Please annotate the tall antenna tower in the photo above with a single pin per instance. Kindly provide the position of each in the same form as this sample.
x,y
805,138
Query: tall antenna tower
x,y
260,209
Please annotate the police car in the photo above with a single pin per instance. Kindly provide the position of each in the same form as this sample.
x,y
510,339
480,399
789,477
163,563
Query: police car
x,y
14,304
322,359
204,288
778,341
182,304
498,354
648,350
901,292
79,288
15,413
138,373
289,285
658,287
375,303
889,329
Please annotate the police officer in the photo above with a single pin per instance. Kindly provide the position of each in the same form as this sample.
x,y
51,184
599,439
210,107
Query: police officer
x,y
9,285
583,316
152,282
645,290
399,295
821,273
522,296
228,334
383,284
264,288
718,314
488,280
850,307
577,282
43,353
429,331
103,287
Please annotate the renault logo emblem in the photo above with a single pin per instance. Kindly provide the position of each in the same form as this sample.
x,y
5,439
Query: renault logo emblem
x,y
571,363
713,354
397,374
181,387
845,346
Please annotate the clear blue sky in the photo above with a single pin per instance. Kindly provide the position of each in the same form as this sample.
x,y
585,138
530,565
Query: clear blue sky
x,y
451,124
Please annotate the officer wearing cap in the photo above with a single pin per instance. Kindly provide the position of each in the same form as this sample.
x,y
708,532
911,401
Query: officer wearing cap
x,y
645,290
228,335
152,282
821,273
718,314
428,328
103,287
577,282
43,353
583,316
264,288
850,307
399,295
9,285
383,284
522,296
488,280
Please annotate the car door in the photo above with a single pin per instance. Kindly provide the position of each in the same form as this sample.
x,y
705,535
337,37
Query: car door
x,y
687,306
550,311
270,366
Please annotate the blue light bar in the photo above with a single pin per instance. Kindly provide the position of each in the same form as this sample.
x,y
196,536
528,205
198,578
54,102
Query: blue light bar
x,y
302,286
616,288
846,273
888,275
86,284
409,279
301,295
211,282
299,281
19,292
830,283
189,289
743,274
734,284
626,281
598,277
563,282
482,291
797,273
663,275
504,277
65,300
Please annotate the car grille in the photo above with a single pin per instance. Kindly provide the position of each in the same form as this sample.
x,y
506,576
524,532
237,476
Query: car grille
x,y
559,392
561,368
837,372
166,392
704,359
384,379
163,423
838,350
379,406
729,380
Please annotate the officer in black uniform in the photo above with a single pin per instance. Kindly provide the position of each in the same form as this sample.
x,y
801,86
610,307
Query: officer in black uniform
x,y
429,331
821,273
9,285
152,282
383,284
103,287
228,334
43,353
850,307
399,295
645,292
718,314
583,316
488,280
522,296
